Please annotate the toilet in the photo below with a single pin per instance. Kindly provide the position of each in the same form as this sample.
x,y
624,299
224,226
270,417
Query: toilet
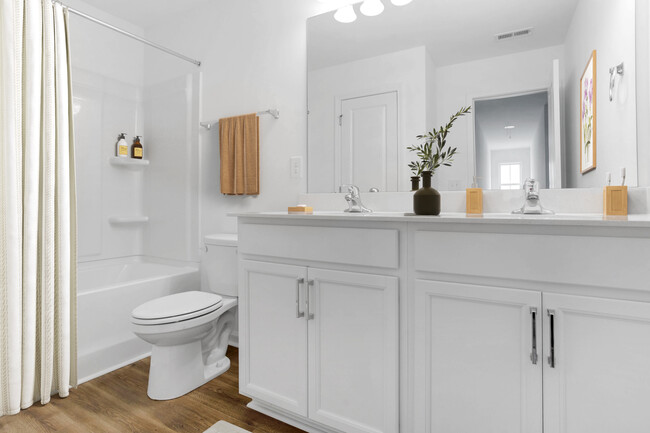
x,y
189,331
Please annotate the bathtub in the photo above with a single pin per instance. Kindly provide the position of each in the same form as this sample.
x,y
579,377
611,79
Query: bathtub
x,y
107,292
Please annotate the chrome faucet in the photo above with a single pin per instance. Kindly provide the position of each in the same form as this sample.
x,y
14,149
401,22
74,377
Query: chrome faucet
x,y
532,204
354,199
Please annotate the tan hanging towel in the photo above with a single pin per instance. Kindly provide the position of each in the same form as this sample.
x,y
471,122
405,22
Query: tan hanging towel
x,y
239,139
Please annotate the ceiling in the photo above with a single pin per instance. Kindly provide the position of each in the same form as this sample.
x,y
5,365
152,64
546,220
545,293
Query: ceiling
x,y
454,31
525,112
145,13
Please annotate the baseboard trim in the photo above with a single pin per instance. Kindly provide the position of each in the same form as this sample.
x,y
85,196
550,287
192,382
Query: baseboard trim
x,y
289,418
113,368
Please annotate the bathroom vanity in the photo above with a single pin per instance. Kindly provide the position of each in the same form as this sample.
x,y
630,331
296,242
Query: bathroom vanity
x,y
391,323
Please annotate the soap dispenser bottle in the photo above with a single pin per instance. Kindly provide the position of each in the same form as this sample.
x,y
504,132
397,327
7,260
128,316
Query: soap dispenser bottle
x,y
136,148
121,147
474,199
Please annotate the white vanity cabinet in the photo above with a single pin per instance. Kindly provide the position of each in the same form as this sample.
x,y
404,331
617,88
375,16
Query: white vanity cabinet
x,y
475,348
319,343
353,324
494,299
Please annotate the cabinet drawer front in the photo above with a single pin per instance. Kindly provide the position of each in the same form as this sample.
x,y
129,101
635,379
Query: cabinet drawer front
x,y
589,260
352,246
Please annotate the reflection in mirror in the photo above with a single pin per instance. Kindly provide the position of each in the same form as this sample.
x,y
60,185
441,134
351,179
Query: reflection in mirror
x,y
377,83
511,141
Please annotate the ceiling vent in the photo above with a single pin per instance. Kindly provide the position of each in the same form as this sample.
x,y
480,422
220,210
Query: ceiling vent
x,y
514,34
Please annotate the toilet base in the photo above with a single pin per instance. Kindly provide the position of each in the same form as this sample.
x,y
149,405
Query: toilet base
x,y
177,370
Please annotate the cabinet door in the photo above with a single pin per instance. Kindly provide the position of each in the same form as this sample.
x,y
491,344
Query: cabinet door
x,y
600,378
273,334
353,351
474,363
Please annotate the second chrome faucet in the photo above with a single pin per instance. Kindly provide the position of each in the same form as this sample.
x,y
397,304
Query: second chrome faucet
x,y
353,198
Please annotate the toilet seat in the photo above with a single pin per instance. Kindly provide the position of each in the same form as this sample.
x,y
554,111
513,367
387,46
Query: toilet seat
x,y
176,308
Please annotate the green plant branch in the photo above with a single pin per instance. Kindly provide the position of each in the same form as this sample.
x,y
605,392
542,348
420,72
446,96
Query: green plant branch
x,y
432,153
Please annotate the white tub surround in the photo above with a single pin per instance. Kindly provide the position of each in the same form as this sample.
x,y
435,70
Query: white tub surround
x,y
389,323
108,291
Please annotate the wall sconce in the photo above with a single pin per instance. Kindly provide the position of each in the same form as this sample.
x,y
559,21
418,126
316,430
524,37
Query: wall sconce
x,y
616,70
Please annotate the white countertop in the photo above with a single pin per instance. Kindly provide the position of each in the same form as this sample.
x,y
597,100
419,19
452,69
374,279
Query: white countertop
x,y
588,220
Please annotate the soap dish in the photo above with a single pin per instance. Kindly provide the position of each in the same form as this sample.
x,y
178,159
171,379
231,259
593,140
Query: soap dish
x,y
300,210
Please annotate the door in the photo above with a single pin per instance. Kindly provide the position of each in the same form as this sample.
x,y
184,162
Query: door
x,y
554,130
273,334
596,368
368,154
353,351
477,359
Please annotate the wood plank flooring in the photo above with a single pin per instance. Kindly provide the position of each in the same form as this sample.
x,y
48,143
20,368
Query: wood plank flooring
x,y
118,402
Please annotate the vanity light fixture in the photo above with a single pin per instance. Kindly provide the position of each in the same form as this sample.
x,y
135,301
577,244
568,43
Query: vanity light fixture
x,y
345,14
400,2
372,8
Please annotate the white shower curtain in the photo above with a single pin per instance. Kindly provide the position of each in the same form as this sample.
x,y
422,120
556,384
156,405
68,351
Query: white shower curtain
x,y
37,206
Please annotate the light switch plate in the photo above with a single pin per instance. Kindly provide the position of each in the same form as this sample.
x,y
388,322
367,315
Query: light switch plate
x,y
295,164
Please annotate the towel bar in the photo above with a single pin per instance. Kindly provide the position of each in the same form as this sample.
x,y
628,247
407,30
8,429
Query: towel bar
x,y
273,112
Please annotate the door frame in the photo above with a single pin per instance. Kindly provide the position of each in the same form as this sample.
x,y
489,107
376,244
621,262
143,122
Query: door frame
x,y
471,125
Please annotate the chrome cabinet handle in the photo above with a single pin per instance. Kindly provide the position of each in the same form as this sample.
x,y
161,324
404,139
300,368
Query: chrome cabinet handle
x,y
299,282
533,318
551,324
310,315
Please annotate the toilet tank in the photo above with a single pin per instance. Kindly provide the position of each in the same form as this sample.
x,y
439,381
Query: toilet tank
x,y
219,264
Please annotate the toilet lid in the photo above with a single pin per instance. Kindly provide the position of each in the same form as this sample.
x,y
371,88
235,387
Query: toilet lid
x,y
177,307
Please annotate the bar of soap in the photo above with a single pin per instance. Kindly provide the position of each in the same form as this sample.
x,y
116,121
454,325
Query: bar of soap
x,y
300,210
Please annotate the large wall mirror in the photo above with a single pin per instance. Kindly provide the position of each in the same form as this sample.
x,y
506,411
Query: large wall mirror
x,y
378,82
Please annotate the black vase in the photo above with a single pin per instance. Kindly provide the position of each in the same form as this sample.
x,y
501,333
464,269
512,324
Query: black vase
x,y
415,183
426,200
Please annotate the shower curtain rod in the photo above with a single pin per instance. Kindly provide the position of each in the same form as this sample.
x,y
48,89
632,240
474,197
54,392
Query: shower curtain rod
x,y
129,34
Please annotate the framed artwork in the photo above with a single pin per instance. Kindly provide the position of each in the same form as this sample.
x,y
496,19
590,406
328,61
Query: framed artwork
x,y
588,116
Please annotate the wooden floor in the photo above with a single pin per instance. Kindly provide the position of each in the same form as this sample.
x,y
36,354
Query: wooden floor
x,y
118,402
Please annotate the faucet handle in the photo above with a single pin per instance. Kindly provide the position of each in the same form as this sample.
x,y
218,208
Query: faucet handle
x,y
352,189
531,186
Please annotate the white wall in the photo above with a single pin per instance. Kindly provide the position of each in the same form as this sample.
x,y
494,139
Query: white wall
x,y
431,76
402,71
254,58
608,27
459,85
643,89
107,76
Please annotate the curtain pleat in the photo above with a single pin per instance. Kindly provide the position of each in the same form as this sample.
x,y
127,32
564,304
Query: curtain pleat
x,y
37,206
31,161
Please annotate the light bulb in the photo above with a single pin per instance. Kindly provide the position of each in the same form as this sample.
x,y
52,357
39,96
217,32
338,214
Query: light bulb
x,y
371,8
345,14
400,2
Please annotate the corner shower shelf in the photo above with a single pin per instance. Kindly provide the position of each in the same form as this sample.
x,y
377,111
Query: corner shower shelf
x,y
131,163
125,220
